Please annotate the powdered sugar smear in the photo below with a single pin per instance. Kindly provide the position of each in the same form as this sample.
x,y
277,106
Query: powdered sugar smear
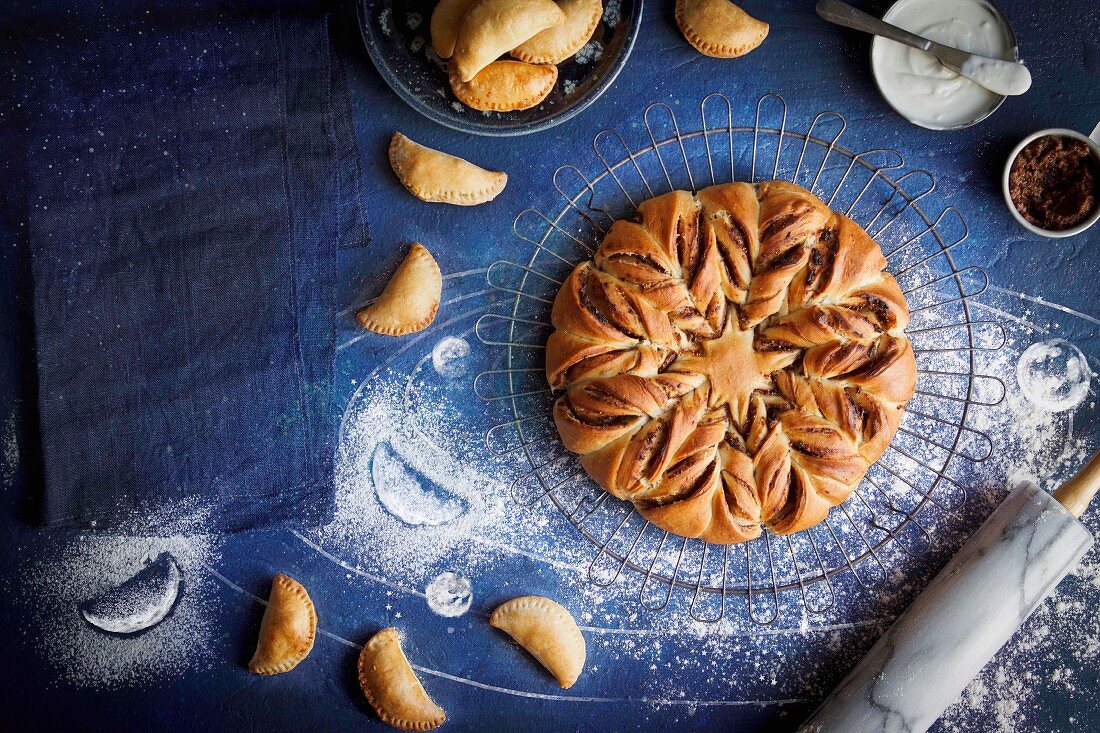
x,y
85,567
397,419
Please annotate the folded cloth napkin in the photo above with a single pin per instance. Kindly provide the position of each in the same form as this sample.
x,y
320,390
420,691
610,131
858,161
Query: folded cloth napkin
x,y
190,183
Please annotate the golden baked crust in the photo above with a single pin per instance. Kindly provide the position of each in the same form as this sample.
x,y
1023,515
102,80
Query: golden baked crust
x,y
410,299
492,28
719,28
392,688
505,86
554,45
287,630
547,630
731,360
437,177
446,19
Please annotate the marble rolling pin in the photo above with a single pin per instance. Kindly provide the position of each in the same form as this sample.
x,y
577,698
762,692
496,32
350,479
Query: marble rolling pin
x,y
976,603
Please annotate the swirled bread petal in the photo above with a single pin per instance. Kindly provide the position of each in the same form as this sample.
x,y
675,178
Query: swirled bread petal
x,y
287,630
545,629
434,176
492,28
719,28
392,687
410,299
554,45
505,86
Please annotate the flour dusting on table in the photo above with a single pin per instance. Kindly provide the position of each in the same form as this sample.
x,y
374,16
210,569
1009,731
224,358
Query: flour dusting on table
x,y
9,447
416,407
85,566
1036,442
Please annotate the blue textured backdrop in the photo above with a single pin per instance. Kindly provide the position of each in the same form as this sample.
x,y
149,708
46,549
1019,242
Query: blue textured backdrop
x,y
816,67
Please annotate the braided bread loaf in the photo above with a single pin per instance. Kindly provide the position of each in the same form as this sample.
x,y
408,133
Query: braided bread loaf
x,y
730,360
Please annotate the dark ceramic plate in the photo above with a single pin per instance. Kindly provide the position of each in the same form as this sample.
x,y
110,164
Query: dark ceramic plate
x,y
397,39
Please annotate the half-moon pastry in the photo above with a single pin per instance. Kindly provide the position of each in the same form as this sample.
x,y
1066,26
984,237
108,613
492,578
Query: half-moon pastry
x,y
392,687
446,19
492,28
410,299
287,630
719,28
730,360
554,45
505,86
434,176
545,629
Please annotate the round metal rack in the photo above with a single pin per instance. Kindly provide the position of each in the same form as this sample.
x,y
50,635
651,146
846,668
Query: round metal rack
x,y
897,500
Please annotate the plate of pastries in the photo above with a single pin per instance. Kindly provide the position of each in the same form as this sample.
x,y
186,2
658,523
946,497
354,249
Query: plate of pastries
x,y
499,67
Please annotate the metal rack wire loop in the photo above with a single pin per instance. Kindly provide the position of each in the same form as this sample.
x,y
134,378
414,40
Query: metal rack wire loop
x,y
913,480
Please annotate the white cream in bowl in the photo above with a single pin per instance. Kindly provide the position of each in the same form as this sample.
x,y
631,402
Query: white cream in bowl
x,y
921,89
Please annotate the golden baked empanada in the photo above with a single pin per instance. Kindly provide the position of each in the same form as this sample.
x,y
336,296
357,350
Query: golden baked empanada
x,y
545,629
432,175
505,86
494,27
410,299
719,28
556,44
392,687
287,630
444,25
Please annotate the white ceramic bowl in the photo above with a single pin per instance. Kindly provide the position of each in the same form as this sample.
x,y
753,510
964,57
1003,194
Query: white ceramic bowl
x,y
877,44
1092,141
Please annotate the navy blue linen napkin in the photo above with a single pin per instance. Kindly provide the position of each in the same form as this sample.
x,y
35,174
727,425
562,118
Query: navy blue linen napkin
x,y
190,184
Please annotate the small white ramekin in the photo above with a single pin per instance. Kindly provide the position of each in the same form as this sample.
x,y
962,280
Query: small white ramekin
x,y
1093,141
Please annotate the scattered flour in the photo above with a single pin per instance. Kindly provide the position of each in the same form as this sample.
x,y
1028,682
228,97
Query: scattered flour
x,y
408,494
612,13
1054,375
140,602
386,412
385,21
589,53
451,357
1063,636
449,594
9,446
86,566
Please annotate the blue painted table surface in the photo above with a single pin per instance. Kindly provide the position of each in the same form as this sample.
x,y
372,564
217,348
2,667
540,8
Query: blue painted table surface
x,y
641,674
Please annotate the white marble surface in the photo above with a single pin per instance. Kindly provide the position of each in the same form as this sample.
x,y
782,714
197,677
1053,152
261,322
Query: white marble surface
x,y
976,603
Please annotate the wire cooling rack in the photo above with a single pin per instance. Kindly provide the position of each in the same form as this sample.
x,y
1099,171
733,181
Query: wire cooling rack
x,y
903,492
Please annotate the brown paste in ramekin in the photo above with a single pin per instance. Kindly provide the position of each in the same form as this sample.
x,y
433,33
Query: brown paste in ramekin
x,y
1055,182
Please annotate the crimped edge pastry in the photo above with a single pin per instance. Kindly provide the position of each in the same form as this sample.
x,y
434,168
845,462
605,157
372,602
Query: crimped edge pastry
x,y
446,19
718,28
492,28
287,630
554,45
437,177
410,299
505,86
392,687
547,631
